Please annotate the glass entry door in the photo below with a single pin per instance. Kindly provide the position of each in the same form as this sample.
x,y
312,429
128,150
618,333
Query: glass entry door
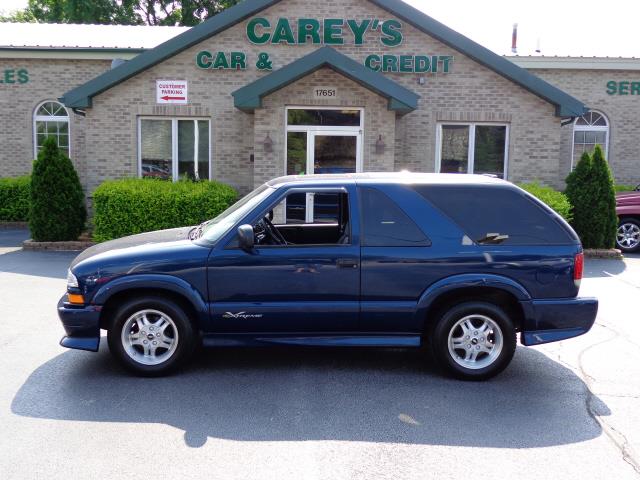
x,y
333,152
318,152
320,140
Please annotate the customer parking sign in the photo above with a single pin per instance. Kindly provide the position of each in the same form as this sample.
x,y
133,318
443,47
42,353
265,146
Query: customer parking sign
x,y
171,92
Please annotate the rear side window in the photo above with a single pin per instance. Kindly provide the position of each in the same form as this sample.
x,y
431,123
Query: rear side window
x,y
491,215
384,224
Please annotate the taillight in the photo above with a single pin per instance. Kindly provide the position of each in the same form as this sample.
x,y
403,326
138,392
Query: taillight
x,y
578,269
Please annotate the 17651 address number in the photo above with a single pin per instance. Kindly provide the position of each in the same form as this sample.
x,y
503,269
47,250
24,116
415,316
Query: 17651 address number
x,y
325,92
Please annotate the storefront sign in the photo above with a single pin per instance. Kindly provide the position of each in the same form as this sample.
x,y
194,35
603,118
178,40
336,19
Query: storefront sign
x,y
409,63
325,92
171,92
328,31
623,88
12,75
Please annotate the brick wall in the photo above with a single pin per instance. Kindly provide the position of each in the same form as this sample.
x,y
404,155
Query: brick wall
x,y
105,142
48,80
469,92
623,112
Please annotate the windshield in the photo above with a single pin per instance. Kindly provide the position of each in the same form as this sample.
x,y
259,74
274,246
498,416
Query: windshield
x,y
216,228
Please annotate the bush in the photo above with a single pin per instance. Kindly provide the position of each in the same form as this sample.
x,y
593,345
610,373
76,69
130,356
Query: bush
x,y
57,211
136,205
591,192
15,195
558,201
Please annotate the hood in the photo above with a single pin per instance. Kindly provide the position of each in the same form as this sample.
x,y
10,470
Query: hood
x,y
628,198
160,236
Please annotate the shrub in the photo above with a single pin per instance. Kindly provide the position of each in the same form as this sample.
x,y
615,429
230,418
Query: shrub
x,y
15,195
57,211
558,201
591,192
136,205
604,207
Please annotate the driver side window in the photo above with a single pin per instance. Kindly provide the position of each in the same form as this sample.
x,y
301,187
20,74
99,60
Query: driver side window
x,y
306,218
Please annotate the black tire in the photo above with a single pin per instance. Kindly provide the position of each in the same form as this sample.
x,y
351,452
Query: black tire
x,y
175,357
632,222
438,340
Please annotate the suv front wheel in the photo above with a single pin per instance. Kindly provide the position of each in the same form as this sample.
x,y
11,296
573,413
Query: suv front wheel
x,y
473,340
151,336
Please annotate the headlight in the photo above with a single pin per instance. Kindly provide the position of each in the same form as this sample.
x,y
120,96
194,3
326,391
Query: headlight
x,y
72,281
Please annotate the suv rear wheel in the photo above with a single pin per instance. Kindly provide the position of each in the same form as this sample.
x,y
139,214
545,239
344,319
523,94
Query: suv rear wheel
x,y
473,340
151,336
628,235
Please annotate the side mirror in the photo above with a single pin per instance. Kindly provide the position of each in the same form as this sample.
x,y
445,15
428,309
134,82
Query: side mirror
x,y
246,237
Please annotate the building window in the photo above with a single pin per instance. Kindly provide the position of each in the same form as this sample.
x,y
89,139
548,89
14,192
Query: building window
x,y
472,148
589,130
174,148
51,120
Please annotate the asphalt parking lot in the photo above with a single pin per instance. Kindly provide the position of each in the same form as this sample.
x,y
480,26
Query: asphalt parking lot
x,y
560,411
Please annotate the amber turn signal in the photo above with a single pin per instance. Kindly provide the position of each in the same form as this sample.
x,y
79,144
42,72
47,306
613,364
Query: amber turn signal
x,y
75,299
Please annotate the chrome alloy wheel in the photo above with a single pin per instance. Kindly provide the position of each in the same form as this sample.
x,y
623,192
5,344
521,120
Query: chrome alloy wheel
x,y
475,342
628,235
149,337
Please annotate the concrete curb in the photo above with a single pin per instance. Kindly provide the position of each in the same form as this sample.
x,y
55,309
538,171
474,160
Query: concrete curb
x,y
56,246
610,253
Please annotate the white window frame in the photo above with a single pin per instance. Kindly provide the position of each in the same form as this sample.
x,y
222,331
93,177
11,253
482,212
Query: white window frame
x,y
174,142
47,118
590,128
322,130
472,144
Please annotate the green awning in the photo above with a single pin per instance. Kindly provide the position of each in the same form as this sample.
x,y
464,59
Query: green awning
x,y
401,99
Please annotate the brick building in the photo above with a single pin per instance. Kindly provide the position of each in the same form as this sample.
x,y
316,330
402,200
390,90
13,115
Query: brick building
x,y
273,87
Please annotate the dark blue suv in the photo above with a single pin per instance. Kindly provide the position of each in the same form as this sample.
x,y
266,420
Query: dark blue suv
x,y
459,263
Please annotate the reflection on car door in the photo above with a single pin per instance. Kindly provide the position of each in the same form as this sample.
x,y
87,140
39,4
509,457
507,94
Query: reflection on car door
x,y
287,289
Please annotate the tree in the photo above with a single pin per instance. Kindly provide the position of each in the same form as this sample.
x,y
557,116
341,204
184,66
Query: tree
x,y
120,12
591,192
579,193
57,211
605,198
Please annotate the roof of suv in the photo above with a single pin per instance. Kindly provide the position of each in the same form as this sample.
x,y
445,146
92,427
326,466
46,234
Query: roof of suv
x,y
389,177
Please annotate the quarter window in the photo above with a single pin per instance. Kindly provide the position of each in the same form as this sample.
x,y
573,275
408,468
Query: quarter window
x,y
472,148
492,215
386,225
174,148
590,130
51,119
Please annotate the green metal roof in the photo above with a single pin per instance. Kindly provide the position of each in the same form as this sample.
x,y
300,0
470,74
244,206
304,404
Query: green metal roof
x,y
566,105
400,99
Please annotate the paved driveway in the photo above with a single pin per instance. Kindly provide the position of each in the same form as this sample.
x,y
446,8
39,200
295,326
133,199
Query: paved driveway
x,y
562,411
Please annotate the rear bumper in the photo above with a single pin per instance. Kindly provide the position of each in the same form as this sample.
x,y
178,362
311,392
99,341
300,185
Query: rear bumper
x,y
554,320
81,324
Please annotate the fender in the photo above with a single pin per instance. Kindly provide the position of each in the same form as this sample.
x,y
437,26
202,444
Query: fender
x,y
153,281
468,280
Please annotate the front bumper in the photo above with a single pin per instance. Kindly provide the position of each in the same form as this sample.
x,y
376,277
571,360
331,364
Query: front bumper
x,y
82,325
558,319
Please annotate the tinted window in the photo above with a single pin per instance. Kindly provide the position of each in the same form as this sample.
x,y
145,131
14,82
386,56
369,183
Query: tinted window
x,y
385,224
333,118
491,215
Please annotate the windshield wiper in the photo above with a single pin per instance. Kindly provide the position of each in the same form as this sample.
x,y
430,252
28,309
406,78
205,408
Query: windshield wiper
x,y
492,239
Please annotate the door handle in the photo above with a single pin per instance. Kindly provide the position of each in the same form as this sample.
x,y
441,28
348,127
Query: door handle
x,y
347,263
